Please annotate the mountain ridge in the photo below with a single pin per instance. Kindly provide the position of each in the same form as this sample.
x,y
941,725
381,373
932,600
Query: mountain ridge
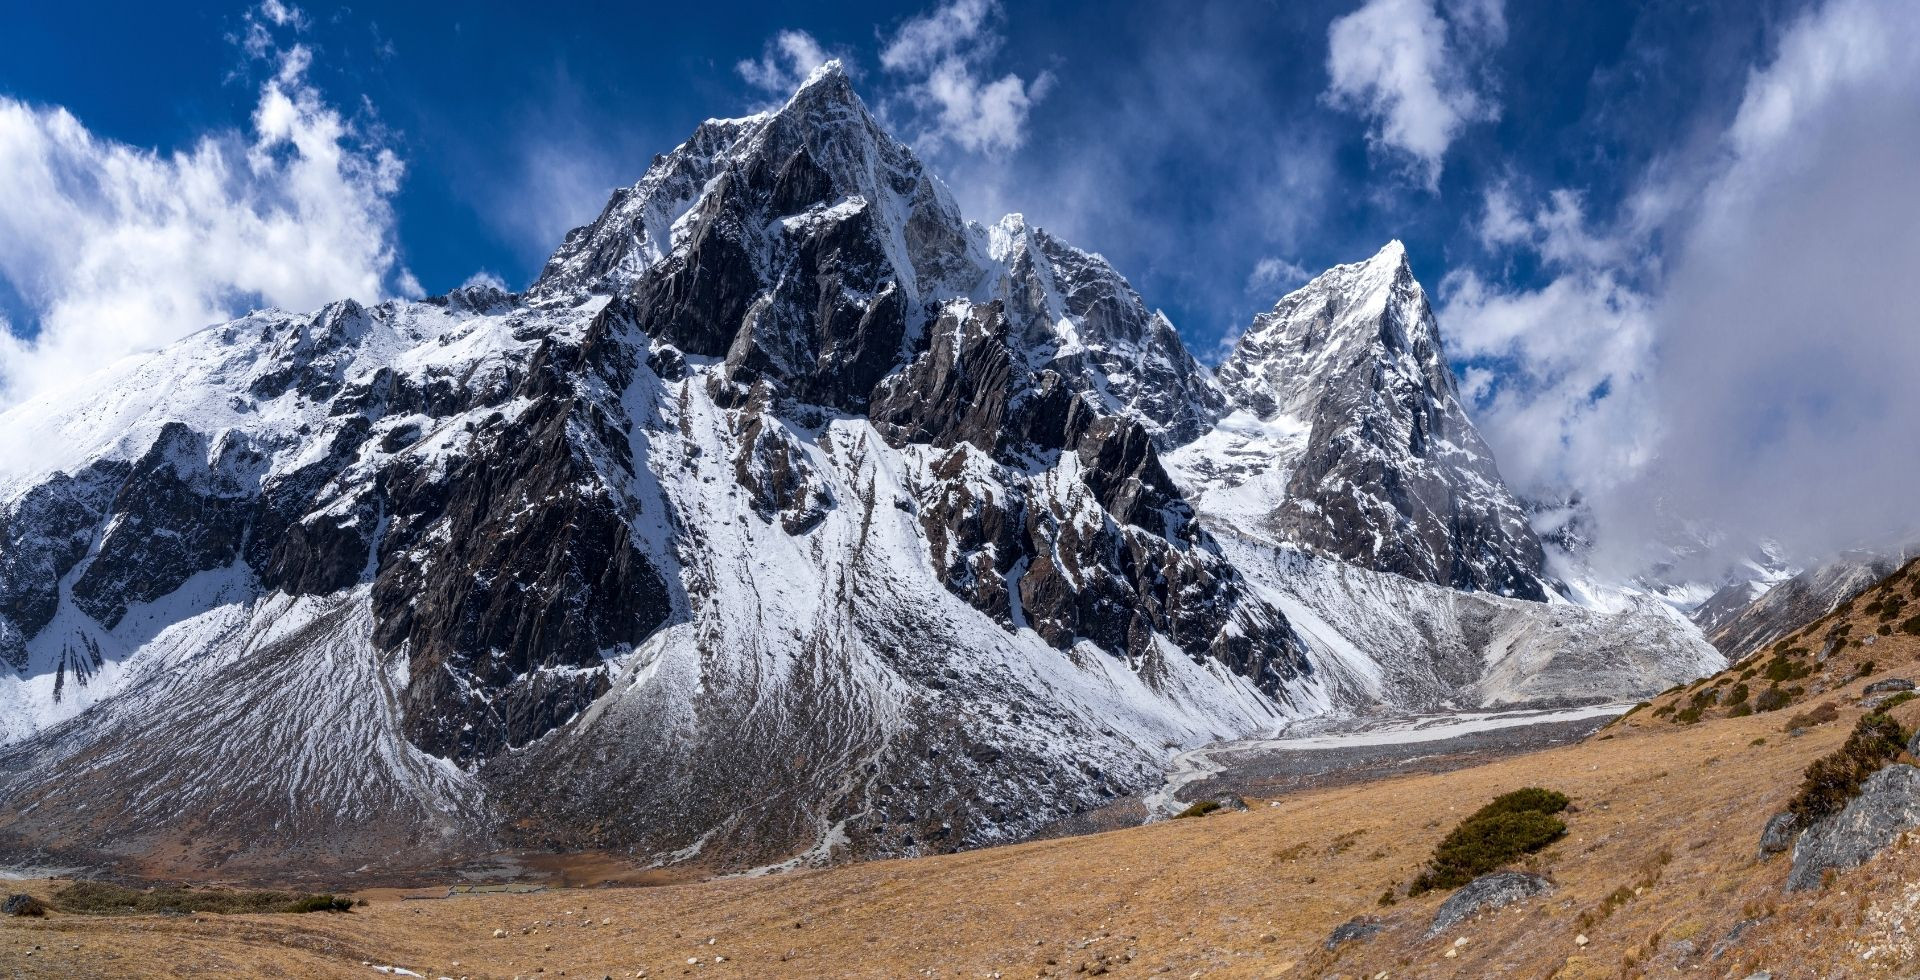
x,y
788,516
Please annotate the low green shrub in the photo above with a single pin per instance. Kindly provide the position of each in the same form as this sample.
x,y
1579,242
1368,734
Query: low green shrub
x,y
1897,700
1738,695
100,898
1199,809
1513,825
1781,669
1771,699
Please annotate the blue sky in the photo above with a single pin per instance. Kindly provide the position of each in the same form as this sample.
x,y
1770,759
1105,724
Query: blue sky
x,y
1557,171
1214,145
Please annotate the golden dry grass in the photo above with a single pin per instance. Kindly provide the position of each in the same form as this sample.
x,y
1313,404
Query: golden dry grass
x,y
1658,866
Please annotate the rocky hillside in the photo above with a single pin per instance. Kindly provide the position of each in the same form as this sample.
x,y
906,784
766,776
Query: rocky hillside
x,y
787,516
1737,628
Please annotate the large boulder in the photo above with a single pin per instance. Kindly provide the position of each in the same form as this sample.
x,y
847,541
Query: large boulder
x,y
1888,805
1492,891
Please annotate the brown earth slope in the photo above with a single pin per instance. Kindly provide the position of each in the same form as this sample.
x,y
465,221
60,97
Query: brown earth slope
x,y
1657,871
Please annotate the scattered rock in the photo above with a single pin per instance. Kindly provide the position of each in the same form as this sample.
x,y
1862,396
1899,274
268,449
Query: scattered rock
x,y
1362,928
1889,686
1888,804
24,905
499,933
1487,892
1913,744
1777,835
1581,940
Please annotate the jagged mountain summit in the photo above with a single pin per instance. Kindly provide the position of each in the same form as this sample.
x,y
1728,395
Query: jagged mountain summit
x,y
787,516
1346,437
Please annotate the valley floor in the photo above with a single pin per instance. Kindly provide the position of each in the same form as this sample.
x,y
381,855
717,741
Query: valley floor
x,y
1665,819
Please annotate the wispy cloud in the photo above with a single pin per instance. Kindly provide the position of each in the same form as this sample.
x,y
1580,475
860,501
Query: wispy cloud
x,y
1403,66
1273,276
786,61
943,55
117,249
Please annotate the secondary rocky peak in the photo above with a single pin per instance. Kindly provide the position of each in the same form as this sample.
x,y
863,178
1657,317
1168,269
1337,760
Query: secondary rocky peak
x,y
1348,438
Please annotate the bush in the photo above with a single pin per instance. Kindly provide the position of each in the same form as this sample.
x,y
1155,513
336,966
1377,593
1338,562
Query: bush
x,y
1781,669
1866,669
1771,699
1687,716
1200,809
1834,779
99,898
25,905
1911,626
1897,700
1513,825
1740,711
1738,695
1826,712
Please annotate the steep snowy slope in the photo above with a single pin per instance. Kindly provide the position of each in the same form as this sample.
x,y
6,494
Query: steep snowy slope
x,y
787,515
1346,437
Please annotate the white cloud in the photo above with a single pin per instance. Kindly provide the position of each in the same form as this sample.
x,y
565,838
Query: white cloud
x,y
1571,407
487,278
944,53
1398,63
117,249
1737,344
934,37
786,62
1274,275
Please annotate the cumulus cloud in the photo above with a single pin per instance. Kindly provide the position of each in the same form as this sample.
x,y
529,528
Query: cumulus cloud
x,y
116,249
1788,349
1734,346
943,54
1400,64
786,62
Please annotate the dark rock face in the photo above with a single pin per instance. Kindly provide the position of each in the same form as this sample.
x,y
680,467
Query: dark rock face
x,y
1891,685
182,510
506,569
1485,893
1888,805
1137,567
42,537
1127,358
1778,834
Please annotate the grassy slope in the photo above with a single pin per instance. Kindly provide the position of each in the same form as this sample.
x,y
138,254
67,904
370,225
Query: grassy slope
x,y
1670,809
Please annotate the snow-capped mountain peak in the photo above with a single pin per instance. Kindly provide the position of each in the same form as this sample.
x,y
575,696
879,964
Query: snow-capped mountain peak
x,y
1347,437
